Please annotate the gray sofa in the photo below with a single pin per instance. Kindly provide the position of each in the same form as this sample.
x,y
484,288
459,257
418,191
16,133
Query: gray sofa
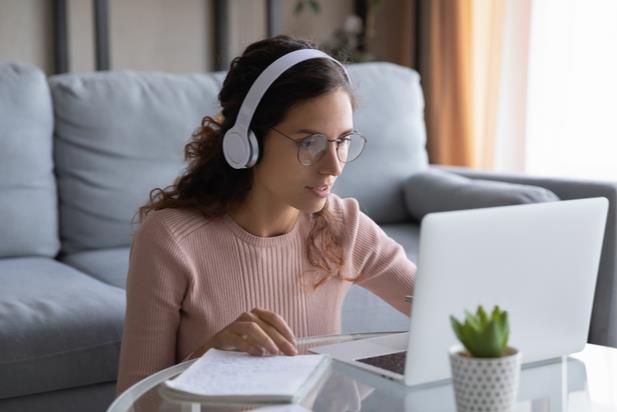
x,y
80,152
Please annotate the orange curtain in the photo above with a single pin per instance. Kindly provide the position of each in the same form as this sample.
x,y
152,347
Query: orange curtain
x,y
456,46
447,69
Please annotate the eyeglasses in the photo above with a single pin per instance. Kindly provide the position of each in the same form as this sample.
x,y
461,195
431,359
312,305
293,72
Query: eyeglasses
x,y
312,148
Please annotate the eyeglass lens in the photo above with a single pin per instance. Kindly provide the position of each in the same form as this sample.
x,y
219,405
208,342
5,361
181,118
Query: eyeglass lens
x,y
312,148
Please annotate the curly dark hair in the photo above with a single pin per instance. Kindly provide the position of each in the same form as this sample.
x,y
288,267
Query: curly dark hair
x,y
210,186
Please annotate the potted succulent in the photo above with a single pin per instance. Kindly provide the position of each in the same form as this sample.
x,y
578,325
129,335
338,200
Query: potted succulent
x,y
485,370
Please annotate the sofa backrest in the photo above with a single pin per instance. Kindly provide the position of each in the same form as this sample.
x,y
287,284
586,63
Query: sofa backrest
x,y
28,198
120,134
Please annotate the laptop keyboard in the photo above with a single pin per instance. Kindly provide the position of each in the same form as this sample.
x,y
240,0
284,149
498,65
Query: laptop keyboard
x,y
394,362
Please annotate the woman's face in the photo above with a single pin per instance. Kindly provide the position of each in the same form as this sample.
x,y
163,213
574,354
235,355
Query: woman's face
x,y
279,173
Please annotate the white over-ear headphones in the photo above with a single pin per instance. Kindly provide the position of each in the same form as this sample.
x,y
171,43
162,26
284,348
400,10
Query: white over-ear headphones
x,y
239,143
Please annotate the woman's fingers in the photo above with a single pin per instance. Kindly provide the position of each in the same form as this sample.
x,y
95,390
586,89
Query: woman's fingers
x,y
253,333
276,321
258,332
277,329
244,343
283,344
240,336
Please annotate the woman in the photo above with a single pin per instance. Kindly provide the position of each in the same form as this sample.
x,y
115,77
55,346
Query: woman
x,y
249,254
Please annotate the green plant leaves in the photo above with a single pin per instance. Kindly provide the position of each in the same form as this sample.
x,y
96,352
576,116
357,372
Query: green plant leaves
x,y
483,336
313,4
299,7
457,327
375,4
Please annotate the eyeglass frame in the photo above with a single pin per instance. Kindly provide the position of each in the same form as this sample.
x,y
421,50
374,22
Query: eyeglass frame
x,y
338,141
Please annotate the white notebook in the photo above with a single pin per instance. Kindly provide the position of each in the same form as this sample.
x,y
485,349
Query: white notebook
x,y
225,376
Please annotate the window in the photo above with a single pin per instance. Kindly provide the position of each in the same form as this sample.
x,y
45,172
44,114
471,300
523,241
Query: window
x,y
572,89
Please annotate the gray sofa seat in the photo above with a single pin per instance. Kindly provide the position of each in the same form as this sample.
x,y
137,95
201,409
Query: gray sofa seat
x,y
110,266
59,329
90,398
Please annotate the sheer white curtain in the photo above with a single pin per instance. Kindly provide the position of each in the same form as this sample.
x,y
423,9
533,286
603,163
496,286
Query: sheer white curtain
x,y
572,89
501,50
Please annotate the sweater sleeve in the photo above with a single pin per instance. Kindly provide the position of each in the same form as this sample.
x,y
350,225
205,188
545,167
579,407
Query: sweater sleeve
x,y
378,260
156,284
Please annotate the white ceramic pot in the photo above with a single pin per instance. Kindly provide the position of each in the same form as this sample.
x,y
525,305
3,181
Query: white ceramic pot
x,y
485,384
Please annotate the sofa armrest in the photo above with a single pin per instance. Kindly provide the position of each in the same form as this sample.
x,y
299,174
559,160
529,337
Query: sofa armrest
x,y
435,190
603,328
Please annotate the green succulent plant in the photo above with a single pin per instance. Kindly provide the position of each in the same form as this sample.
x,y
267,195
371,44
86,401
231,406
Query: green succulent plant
x,y
481,335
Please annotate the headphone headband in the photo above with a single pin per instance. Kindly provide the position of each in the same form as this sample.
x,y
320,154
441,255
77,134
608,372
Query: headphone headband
x,y
269,76
239,144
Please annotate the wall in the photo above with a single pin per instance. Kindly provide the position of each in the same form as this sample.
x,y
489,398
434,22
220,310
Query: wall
x,y
172,36
316,27
175,36
81,35
26,32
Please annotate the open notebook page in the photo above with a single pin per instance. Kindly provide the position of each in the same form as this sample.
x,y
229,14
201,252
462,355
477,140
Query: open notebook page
x,y
223,373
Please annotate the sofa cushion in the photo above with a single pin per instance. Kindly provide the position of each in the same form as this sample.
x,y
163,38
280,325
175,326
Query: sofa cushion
x,y
118,135
438,191
28,211
59,328
365,312
390,114
107,265
88,398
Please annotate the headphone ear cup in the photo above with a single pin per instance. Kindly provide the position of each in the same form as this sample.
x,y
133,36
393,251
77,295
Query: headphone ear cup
x,y
254,149
236,149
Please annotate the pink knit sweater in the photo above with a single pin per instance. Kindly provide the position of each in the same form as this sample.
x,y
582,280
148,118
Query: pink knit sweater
x,y
189,277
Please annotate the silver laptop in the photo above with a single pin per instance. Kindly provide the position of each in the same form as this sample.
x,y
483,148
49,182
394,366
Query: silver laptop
x,y
539,262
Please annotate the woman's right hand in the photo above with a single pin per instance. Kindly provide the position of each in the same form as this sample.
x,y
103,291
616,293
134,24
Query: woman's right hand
x,y
259,332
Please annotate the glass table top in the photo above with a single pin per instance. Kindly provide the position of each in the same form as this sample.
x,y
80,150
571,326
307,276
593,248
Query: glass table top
x,y
581,382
